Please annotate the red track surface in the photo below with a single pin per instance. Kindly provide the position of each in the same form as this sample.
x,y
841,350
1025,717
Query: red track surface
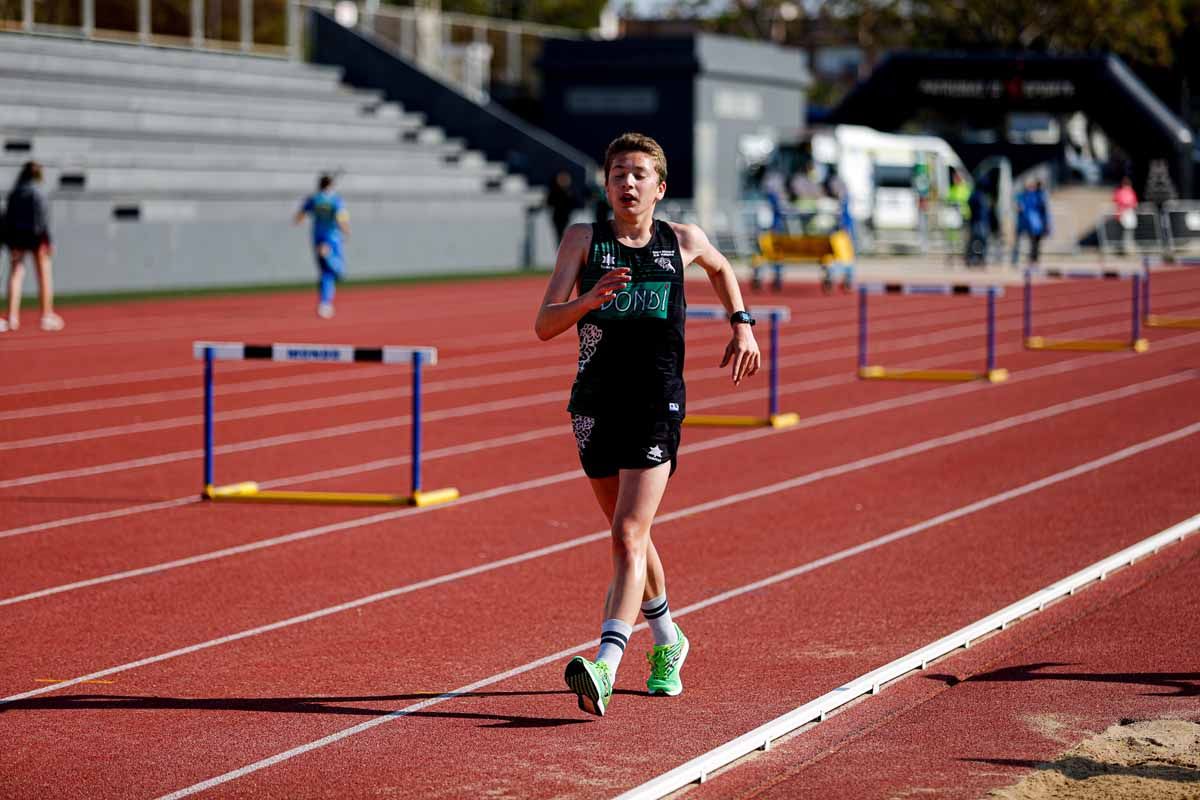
x,y
224,648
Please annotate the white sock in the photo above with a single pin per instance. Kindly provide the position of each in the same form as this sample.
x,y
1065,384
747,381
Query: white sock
x,y
658,617
614,635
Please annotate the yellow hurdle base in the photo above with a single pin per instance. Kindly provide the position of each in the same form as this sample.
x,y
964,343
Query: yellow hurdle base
x,y
735,421
1157,321
1088,345
948,375
248,492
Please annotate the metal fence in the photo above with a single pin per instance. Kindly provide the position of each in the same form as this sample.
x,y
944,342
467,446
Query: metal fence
x,y
470,52
260,26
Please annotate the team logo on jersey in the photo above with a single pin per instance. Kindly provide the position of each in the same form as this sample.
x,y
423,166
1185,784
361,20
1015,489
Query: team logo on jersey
x,y
665,263
605,255
639,300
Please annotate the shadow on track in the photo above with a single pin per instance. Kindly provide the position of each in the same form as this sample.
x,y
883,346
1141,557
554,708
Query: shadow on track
x,y
294,705
1185,684
1078,768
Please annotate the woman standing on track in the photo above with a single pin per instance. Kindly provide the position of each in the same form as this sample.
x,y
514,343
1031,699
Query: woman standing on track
x,y
627,403
27,232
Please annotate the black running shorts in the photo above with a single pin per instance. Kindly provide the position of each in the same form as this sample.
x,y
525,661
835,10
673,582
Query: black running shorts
x,y
612,443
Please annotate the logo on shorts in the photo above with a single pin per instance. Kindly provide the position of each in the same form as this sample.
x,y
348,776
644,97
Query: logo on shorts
x,y
655,453
673,407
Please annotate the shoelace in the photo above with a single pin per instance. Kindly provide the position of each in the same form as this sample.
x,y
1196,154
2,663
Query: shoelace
x,y
659,659
606,678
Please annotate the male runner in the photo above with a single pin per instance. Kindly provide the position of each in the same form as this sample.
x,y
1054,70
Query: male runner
x,y
628,401
330,223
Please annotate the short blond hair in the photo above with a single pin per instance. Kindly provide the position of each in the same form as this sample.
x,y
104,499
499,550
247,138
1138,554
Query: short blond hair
x,y
637,143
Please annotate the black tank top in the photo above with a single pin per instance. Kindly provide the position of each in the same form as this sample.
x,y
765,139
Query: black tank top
x,y
631,349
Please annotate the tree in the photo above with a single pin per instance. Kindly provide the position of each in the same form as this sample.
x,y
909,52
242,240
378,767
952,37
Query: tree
x,y
1139,31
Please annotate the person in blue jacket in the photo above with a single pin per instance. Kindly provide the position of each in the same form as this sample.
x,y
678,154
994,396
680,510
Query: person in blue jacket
x,y
330,223
1033,220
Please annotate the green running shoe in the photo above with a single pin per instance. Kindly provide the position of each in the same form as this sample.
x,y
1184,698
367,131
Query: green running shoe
x,y
592,682
666,661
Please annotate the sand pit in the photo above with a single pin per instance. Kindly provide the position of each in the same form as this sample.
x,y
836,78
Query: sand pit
x,y
1148,760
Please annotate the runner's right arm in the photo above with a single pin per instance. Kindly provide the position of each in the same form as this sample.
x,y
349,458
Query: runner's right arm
x,y
558,311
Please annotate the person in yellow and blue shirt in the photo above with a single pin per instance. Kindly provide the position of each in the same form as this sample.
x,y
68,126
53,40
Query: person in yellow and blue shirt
x,y
330,223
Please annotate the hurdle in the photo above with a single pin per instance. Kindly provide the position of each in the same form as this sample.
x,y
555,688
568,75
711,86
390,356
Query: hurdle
x,y
773,419
1161,320
1135,342
991,372
248,491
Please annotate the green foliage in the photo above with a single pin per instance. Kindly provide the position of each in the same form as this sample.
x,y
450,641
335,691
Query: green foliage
x,y
1137,30
1142,31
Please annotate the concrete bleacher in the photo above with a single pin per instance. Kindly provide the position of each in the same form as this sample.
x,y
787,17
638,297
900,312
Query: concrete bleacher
x,y
174,168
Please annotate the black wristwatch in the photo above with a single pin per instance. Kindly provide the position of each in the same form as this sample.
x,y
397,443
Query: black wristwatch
x,y
741,317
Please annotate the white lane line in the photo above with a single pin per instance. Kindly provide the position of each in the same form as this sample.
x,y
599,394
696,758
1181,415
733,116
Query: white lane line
x,y
378,395
698,769
249,387
115,379
258,328
284,439
723,597
539,352
1056,368
537,483
475,382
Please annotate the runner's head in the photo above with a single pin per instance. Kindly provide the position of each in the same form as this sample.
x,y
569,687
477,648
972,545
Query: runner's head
x,y
635,172
324,182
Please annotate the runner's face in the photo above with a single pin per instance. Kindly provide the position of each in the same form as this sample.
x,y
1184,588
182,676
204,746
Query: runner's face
x,y
633,184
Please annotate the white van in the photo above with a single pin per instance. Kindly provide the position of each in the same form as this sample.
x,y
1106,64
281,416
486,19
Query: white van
x,y
886,175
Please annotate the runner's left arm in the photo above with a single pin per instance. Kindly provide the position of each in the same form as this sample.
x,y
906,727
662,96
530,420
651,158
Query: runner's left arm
x,y
742,350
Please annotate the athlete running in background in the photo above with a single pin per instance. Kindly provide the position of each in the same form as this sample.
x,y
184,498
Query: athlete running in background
x,y
628,401
330,223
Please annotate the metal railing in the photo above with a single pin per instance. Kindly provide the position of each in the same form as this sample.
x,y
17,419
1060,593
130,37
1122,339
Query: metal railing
x,y
265,27
468,51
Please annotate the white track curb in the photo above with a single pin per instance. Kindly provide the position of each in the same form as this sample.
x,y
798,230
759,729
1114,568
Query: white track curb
x,y
699,768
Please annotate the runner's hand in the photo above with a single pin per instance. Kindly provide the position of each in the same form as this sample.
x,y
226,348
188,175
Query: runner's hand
x,y
608,285
742,350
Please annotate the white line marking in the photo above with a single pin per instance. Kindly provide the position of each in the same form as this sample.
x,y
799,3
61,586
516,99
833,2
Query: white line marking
x,y
829,472
711,601
869,683
933,394
368,426
488,359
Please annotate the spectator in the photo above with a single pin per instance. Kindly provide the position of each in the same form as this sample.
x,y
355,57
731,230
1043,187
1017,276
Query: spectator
x,y
980,206
331,222
1033,220
773,192
600,208
27,232
837,191
561,200
1125,201
958,197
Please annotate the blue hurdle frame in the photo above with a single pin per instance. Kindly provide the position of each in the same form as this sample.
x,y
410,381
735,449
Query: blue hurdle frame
x,y
249,491
1152,320
991,373
774,419
1135,343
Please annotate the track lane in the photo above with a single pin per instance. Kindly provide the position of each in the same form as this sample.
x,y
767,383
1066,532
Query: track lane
x,y
982,719
29,560
257,587
732,687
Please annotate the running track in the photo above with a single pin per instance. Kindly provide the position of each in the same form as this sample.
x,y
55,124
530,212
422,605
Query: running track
x,y
290,651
